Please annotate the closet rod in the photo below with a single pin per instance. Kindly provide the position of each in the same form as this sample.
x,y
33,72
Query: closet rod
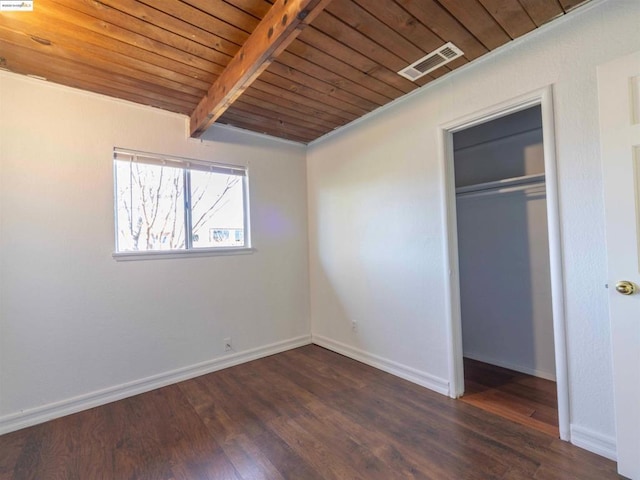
x,y
502,190
505,182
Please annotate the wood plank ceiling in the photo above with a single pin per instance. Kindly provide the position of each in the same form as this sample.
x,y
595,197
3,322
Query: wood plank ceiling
x,y
169,53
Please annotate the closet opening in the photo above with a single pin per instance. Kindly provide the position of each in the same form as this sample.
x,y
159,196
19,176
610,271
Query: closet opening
x,y
508,352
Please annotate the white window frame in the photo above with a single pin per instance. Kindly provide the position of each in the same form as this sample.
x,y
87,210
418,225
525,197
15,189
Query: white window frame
x,y
187,165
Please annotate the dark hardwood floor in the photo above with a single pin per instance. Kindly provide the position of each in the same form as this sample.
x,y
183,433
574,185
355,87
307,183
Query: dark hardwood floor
x,y
304,414
519,397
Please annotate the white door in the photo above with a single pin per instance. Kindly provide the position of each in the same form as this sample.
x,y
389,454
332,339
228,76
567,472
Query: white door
x,y
619,97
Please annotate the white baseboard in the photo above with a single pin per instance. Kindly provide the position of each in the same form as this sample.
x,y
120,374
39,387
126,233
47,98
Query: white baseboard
x,y
594,442
499,363
419,377
27,418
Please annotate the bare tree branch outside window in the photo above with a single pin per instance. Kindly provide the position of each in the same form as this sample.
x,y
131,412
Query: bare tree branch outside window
x,y
151,208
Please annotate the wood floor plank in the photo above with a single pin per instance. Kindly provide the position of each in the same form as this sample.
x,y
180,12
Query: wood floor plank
x,y
249,460
307,413
502,400
320,456
497,406
486,441
516,396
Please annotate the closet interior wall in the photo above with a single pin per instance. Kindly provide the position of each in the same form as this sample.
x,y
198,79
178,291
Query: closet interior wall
x,y
503,244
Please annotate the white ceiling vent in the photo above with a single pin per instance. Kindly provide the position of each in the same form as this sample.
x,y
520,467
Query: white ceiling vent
x,y
430,62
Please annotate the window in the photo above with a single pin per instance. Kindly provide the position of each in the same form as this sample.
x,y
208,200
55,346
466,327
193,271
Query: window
x,y
178,205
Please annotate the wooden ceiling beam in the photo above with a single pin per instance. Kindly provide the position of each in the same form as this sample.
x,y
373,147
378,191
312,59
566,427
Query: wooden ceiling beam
x,y
281,25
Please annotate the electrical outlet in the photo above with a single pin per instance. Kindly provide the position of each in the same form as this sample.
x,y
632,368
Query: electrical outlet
x,y
228,346
354,326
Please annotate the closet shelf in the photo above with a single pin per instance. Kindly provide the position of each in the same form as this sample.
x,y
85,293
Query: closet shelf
x,y
503,183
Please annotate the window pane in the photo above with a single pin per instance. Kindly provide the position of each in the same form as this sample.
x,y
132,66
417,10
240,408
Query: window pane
x,y
150,207
217,210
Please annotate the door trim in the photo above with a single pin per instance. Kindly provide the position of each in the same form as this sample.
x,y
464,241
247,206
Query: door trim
x,y
544,98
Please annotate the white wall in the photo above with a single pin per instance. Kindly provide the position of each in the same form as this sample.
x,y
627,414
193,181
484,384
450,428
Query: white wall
x,y
77,327
376,213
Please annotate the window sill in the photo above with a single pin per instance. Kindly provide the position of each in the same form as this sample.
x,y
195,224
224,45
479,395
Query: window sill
x,y
167,254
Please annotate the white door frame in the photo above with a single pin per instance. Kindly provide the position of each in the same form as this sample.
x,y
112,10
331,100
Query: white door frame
x,y
542,97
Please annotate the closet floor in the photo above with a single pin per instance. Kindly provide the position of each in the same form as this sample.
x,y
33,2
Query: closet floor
x,y
516,396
